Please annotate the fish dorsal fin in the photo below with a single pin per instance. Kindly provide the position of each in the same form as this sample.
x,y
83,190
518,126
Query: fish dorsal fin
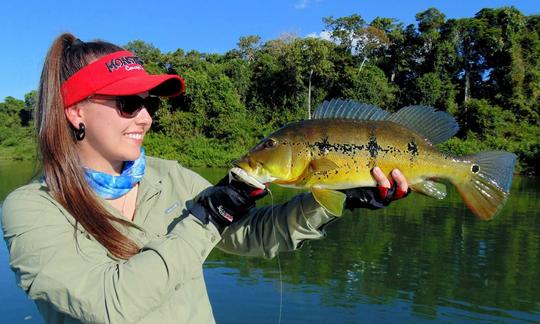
x,y
349,109
435,126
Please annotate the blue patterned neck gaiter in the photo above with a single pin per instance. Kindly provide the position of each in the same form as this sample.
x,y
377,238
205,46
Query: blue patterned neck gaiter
x,y
111,187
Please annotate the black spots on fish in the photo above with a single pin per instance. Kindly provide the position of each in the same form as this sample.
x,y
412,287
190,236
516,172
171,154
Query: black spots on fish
x,y
373,147
350,150
412,148
324,147
393,150
323,174
475,168
298,147
356,167
370,164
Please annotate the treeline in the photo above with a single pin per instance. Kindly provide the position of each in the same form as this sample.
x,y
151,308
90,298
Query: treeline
x,y
484,70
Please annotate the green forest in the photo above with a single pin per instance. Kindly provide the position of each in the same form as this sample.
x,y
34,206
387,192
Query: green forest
x,y
484,70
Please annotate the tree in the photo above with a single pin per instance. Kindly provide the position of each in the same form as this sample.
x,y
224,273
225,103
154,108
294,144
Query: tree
x,y
503,58
391,56
345,30
248,45
151,56
10,112
356,37
30,102
430,23
317,67
370,86
483,69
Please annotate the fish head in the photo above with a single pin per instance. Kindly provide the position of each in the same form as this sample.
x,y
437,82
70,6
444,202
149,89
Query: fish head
x,y
274,159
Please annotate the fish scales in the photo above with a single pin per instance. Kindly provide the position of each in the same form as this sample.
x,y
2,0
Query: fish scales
x,y
357,146
341,145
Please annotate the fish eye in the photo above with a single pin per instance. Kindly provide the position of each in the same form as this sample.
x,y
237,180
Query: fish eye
x,y
270,143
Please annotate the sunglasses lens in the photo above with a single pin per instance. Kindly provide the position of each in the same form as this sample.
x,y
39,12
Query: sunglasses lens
x,y
151,104
130,106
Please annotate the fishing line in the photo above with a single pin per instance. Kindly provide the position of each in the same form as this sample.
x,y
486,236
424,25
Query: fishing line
x,y
278,259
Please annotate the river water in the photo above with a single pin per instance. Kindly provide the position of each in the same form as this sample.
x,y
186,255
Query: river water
x,y
419,260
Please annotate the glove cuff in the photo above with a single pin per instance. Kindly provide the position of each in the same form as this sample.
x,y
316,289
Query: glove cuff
x,y
199,211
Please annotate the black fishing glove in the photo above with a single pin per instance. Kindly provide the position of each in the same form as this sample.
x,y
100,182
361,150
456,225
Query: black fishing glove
x,y
372,197
226,202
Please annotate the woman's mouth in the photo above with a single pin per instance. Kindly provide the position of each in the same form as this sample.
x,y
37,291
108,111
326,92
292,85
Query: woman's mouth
x,y
135,136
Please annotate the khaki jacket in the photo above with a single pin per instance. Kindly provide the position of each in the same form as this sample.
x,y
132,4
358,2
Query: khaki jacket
x,y
72,278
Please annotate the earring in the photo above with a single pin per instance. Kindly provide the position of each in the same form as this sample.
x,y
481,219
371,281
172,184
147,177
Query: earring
x,y
80,133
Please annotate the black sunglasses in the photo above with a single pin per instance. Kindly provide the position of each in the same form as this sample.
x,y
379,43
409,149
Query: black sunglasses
x,y
129,106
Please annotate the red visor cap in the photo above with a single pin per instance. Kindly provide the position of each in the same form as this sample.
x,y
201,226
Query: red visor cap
x,y
118,74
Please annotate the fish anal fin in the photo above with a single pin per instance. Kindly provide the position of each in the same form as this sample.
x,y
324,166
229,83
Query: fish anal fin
x,y
331,200
323,164
430,188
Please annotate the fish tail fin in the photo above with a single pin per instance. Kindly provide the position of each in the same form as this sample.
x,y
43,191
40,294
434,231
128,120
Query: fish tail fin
x,y
486,187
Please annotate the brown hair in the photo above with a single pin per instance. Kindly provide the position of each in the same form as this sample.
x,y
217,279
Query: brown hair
x,y
62,168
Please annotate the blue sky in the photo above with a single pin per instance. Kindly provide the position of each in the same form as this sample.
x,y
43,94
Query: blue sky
x,y
27,28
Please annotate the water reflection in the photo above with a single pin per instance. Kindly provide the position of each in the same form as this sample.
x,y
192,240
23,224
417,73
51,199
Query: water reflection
x,y
433,255
420,259
15,306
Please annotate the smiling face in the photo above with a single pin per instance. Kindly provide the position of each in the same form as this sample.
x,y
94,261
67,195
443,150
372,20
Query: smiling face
x,y
110,138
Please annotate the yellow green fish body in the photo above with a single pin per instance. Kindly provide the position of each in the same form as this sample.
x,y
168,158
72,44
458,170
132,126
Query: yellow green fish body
x,y
345,140
340,153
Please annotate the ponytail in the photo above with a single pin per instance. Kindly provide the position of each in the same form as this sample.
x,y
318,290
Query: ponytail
x,y
62,167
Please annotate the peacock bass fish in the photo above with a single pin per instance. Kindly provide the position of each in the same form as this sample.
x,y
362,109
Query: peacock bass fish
x,y
345,139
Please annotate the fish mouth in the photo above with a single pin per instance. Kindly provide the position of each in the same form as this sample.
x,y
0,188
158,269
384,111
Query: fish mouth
x,y
251,172
241,175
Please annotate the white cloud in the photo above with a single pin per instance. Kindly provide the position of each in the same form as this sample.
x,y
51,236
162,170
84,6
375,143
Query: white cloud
x,y
322,35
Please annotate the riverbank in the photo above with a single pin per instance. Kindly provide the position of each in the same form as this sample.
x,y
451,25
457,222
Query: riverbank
x,y
210,153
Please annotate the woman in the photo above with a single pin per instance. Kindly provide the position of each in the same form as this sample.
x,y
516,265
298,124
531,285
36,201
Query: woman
x,y
109,235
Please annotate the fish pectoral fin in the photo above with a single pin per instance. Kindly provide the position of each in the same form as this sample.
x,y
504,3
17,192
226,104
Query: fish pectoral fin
x,y
331,200
321,165
430,188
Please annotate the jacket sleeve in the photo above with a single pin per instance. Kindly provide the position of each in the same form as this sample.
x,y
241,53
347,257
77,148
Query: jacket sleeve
x,y
268,230
272,229
76,275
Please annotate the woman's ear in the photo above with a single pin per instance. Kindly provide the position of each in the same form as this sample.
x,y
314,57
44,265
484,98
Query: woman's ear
x,y
74,115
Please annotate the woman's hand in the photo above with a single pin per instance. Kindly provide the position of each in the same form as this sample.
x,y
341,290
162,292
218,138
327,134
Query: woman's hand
x,y
386,191
226,202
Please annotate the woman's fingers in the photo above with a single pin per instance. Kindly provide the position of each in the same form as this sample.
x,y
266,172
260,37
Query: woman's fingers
x,y
401,182
383,183
402,187
380,177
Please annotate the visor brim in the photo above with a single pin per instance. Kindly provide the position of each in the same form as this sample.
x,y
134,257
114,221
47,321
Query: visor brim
x,y
162,85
